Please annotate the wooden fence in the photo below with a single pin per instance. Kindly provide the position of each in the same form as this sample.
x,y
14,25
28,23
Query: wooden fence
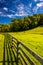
x,y
22,57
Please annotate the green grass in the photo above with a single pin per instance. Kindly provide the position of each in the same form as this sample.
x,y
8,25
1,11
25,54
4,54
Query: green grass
x,y
32,39
7,50
38,30
1,47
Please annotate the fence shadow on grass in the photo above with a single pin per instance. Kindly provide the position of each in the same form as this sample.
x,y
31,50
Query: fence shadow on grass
x,y
8,53
16,45
16,52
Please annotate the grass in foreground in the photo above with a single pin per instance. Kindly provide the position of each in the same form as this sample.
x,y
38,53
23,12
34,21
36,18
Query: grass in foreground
x,y
1,47
32,39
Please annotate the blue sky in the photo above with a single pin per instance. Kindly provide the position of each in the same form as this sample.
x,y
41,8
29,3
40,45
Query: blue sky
x,y
10,9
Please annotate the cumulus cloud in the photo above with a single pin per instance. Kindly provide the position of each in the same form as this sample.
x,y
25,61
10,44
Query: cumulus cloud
x,y
21,14
8,15
20,7
23,10
5,8
38,5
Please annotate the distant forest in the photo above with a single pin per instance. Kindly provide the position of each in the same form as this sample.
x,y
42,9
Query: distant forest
x,y
22,24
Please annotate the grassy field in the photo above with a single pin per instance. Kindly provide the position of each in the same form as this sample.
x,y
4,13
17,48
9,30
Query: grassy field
x,y
5,51
1,47
32,39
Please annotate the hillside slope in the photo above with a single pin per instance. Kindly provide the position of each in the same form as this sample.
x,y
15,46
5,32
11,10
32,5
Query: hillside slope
x,y
38,30
33,39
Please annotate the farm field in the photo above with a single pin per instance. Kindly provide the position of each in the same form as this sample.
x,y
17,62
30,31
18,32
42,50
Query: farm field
x,y
1,47
33,39
6,55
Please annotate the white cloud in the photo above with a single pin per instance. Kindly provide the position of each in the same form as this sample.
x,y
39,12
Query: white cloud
x,y
35,0
23,10
21,14
5,8
10,16
1,13
20,7
35,9
12,11
13,15
40,0
38,5
30,5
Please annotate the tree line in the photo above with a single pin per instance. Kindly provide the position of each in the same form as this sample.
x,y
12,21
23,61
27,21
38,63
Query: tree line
x,y
22,24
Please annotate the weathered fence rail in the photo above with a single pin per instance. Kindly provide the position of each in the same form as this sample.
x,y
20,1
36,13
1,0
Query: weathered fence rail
x,y
20,54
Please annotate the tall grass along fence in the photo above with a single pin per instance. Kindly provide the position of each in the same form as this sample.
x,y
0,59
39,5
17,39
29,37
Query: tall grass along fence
x,y
21,52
